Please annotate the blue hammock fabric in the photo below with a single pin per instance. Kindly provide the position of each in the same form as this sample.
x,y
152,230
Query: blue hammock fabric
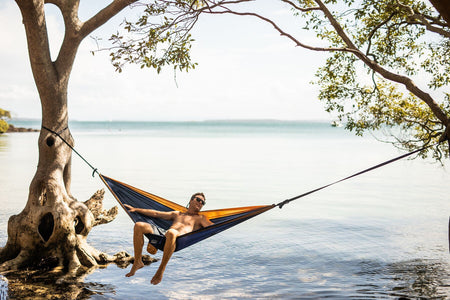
x,y
223,218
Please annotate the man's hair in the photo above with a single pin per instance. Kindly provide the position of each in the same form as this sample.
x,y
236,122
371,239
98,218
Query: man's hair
x,y
198,194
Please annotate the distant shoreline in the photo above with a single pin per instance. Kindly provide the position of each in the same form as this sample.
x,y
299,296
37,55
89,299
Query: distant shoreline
x,y
13,128
183,128
185,121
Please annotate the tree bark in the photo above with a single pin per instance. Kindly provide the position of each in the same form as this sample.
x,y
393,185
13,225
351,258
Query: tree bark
x,y
443,7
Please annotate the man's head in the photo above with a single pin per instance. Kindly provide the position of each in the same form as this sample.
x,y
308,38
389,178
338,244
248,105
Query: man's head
x,y
198,200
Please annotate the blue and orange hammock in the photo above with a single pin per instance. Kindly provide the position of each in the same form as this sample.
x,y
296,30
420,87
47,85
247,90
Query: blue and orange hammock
x,y
222,218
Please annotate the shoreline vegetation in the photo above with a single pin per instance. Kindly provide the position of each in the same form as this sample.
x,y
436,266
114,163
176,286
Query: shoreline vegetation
x,y
6,127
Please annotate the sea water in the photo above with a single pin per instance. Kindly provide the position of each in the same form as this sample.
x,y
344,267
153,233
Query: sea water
x,y
383,234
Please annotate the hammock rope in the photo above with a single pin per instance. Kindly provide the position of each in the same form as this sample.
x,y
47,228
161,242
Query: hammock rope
x,y
282,203
222,219
94,170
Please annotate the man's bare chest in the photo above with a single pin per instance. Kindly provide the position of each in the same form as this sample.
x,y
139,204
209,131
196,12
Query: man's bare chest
x,y
186,222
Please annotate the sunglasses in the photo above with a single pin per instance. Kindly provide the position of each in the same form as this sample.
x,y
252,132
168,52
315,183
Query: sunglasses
x,y
200,200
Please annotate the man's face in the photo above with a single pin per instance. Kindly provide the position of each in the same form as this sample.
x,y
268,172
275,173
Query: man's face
x,y
197,202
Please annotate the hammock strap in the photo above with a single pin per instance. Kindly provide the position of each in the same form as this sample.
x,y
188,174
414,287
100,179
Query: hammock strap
x,y
281,204
71,147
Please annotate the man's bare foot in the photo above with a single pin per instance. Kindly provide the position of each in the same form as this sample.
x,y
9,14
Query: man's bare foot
x,y
136,266
151,249
157,278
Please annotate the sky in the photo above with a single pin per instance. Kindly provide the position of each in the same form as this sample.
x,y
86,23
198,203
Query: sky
x,y
246,70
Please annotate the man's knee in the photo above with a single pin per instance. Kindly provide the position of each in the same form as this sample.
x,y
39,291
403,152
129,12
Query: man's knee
x,y
143,227
172,233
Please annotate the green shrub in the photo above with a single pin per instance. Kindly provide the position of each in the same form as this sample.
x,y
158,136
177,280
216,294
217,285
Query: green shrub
x,y
3,126
4,114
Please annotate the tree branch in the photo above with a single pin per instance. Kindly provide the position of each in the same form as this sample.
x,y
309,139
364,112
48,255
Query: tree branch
x,y
369,38
103,16
421,19
282,32
300,8
443,8
406,81
76,31
351,48
33,18
71,41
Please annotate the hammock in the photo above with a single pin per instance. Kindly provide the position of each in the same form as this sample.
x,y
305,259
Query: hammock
x,y
222,218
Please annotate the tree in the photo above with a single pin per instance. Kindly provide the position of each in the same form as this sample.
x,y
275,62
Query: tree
x,y
4,114
381,52
53,226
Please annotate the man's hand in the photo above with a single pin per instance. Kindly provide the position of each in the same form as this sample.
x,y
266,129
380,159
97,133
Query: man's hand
x,y
130,208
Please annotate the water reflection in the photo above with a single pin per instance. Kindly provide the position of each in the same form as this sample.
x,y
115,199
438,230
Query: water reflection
x,y
414,279
31,285
3,288
3,143
420,278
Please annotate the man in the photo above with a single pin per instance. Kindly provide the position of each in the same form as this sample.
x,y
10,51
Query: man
x,y
181,223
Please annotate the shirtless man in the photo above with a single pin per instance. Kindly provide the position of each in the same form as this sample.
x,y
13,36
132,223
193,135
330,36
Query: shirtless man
x,y
182,223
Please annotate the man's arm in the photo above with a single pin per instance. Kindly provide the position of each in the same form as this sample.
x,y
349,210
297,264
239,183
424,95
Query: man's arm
x,y
205,222
169,215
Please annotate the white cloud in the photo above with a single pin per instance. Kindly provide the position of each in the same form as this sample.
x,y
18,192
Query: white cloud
x,y
246,70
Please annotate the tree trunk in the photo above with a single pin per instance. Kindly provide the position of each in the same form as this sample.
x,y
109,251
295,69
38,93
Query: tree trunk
x,y
53,226
53,223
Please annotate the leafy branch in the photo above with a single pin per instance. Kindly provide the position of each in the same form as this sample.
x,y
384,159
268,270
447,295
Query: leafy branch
x,y
389,40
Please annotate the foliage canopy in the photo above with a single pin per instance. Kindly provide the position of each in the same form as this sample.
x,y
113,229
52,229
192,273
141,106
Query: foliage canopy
x,y
405,38
388,65
154,40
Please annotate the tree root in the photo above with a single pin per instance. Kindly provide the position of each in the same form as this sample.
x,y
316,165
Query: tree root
x,y
15,263
51,244
95,205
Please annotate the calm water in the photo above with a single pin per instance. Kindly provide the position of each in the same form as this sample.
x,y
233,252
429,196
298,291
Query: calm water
x,y
380,235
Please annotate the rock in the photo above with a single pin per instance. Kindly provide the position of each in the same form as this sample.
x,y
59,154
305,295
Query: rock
x,y
12,128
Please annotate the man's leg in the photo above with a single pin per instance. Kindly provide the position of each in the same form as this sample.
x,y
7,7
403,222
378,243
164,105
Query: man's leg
x,y
169,248
140,228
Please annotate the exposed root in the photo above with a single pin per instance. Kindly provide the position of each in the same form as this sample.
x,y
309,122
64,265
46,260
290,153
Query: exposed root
x,y
8,252
15,263
86,258
95,205
124,257
74,264
107,216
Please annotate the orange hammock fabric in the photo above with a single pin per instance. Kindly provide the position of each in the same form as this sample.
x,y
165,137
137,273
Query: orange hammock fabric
x,y
222,218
